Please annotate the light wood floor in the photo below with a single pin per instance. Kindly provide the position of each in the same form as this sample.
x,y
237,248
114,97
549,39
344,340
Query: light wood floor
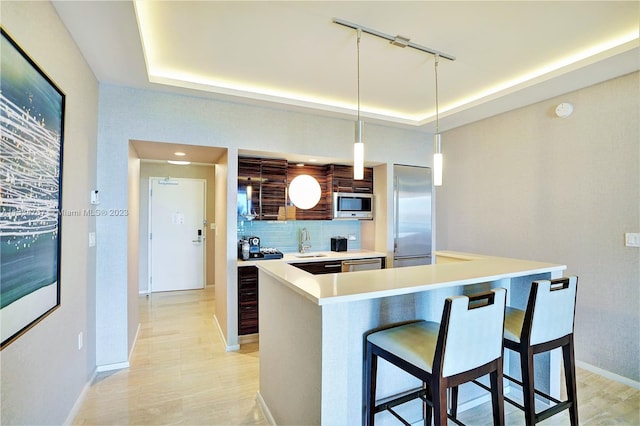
x,y
181,374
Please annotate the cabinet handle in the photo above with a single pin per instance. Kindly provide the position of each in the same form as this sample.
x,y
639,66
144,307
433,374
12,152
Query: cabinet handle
x,y
338,265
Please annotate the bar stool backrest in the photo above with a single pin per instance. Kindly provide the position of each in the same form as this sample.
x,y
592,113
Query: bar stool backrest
x,y
471,336
552,306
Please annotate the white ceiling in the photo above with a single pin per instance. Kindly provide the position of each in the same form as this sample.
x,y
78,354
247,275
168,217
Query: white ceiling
x,y
290,54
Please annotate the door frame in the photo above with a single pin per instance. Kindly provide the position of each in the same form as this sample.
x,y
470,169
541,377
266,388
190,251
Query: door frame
x,y
149,225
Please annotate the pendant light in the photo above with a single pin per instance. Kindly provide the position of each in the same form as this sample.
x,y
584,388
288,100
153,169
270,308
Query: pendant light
x,y
400,41
437,148
358,146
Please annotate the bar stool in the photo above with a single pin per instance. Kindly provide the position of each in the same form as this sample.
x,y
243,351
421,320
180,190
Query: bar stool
x,y
466,345
546,324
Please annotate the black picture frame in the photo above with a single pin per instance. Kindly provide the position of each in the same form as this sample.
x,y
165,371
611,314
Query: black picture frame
x,y
32,111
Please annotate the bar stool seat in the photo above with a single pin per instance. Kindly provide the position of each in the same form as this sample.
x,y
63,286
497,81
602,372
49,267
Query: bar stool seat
x,y
465,345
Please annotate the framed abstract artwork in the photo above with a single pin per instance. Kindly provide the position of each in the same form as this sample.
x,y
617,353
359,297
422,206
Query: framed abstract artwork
x,y
31,140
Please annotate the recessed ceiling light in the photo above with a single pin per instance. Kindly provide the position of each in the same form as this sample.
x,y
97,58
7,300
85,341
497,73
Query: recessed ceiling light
x,y
179,163
179,154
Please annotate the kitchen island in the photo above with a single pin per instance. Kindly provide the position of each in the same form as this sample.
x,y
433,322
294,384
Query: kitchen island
x,y
312,327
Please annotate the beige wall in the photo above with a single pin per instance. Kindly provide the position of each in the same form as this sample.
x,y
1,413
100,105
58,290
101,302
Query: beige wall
x,y
161,169
43,372
224,286
133,248
531,185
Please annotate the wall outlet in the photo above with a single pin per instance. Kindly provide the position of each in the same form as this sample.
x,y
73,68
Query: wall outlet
x,y
632,239
80,340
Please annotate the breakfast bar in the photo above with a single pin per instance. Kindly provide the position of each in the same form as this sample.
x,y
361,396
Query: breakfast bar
x,y
312,327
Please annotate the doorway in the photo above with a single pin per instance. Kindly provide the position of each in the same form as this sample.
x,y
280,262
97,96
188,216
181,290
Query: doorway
x,y
177,234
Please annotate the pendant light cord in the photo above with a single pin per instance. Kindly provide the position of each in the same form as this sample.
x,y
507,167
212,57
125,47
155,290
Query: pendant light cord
x,y
359,33
437,60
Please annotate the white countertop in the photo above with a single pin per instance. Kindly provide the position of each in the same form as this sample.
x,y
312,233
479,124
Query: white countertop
x,y
455,269
313,257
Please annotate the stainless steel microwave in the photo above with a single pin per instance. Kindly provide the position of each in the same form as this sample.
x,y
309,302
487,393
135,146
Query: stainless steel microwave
x,y
349,205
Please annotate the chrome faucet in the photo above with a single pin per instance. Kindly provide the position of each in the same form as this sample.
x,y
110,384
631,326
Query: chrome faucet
x,y
305,240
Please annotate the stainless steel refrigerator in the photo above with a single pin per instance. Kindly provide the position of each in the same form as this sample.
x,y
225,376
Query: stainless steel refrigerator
x,y
412,215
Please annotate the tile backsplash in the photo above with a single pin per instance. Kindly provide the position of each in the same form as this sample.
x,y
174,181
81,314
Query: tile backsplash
x,y
283,235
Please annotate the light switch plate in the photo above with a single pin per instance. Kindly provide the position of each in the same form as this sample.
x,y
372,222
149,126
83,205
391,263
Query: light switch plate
x,y
632,239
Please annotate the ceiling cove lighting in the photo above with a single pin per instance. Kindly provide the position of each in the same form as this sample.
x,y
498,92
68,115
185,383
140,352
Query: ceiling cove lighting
x,y
179,163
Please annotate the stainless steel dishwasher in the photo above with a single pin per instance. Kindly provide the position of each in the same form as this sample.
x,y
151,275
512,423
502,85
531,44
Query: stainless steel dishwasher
x,y
361,264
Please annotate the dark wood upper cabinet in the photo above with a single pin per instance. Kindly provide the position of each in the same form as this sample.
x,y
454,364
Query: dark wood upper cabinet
x,y
262,187
263,183
341,179
273,189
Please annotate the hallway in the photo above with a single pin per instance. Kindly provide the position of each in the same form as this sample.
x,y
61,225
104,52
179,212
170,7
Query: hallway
x,y
180,372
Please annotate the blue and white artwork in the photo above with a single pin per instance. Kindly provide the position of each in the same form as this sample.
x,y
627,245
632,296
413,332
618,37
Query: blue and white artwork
x,y
31,118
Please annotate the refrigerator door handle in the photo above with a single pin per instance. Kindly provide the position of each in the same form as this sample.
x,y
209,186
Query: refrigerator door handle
x,y
416,256
396,207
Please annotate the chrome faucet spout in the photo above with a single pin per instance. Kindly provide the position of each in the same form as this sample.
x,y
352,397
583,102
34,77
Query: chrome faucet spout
x,y
304,240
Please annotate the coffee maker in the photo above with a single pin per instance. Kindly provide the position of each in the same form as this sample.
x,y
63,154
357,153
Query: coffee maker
x,y
254,247
249,248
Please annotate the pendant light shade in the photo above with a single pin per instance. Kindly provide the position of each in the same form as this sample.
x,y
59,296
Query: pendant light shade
x,y
437,161
358,153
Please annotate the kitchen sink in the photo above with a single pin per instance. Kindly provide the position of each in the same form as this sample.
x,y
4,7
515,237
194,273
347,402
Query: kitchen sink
x,y
306,255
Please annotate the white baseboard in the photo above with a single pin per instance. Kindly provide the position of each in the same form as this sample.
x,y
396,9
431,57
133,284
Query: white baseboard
x,y
265,409
607,374
228,348
111,367
121,365
135,341
79,401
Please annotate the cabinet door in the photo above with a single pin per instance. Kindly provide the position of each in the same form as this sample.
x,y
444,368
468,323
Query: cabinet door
x,y
247,300
322,211
262,186
273,188
249,187
341,178
316,268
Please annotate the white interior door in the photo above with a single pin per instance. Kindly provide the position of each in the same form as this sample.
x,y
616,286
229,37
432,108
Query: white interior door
x,y
176,234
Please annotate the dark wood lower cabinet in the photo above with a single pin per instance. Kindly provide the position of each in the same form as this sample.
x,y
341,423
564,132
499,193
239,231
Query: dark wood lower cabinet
x,y
248,290
247,300
327,266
